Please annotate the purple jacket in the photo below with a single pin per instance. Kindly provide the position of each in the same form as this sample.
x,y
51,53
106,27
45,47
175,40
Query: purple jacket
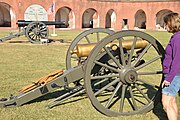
x,y
171,63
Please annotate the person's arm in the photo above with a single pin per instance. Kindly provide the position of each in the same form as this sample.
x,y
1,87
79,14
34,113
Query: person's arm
x,y
174,68
168,59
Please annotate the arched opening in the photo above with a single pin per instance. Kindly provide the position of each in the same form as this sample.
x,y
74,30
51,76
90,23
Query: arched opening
x,y
5,17
159,19
140,20
35,13
90,19
67,15
110,19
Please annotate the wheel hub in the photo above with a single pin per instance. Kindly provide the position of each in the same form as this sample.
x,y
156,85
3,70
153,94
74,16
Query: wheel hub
x,y
37,31
128,76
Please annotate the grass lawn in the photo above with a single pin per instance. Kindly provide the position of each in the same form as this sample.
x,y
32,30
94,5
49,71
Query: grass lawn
x,y
23,63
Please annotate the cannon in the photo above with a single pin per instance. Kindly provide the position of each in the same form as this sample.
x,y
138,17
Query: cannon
x,y
33,30
119,73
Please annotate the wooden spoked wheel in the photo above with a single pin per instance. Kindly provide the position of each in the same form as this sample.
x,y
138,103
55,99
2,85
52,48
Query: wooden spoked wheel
x,y
89,36
127,80
36,31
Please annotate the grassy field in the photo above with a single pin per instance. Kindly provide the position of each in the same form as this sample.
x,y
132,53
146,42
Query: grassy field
x,y
22,63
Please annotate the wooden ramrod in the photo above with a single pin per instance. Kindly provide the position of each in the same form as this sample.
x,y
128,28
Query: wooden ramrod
x,y
83,50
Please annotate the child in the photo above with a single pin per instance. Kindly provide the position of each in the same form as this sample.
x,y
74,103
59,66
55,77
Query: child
x,y
171,66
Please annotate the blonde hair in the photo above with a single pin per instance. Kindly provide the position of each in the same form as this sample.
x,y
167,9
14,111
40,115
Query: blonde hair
x,y
172,20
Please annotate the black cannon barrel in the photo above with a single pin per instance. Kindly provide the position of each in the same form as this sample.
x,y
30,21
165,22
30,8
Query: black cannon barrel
x,y
23,23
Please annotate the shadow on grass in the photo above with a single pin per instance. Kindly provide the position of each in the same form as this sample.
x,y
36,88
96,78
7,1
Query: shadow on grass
x,y
159,112
158,107
55,95
18,41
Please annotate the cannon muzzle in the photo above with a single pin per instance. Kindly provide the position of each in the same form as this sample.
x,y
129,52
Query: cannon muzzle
x,y
83,50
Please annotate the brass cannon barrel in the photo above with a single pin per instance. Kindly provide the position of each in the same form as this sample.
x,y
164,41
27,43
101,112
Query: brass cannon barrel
x,y
83,50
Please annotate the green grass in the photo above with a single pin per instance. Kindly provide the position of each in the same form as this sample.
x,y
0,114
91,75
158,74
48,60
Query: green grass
x,y
20,64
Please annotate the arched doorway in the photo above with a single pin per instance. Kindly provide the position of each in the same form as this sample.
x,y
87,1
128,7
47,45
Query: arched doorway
x,y
90,18
159,19
110,19
5,17
67,15
140,20
35,12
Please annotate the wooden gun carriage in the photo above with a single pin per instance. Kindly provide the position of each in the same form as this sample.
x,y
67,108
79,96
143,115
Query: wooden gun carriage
x,y
33,30
120,72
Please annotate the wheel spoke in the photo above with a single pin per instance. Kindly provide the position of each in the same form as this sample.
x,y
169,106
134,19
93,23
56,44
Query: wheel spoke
x,y
148,62
132,98
74,57
121,52
35,37
104,76
112,57
99,82
132,50
142,93
148,83
43,30
122,98
32,36
38,37
113,94
105,87
98,38
33,27
87,39
106,66
149,73
142,54
30,30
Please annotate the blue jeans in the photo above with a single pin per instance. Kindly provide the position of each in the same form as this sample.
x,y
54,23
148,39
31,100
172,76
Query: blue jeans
x,y
173,88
